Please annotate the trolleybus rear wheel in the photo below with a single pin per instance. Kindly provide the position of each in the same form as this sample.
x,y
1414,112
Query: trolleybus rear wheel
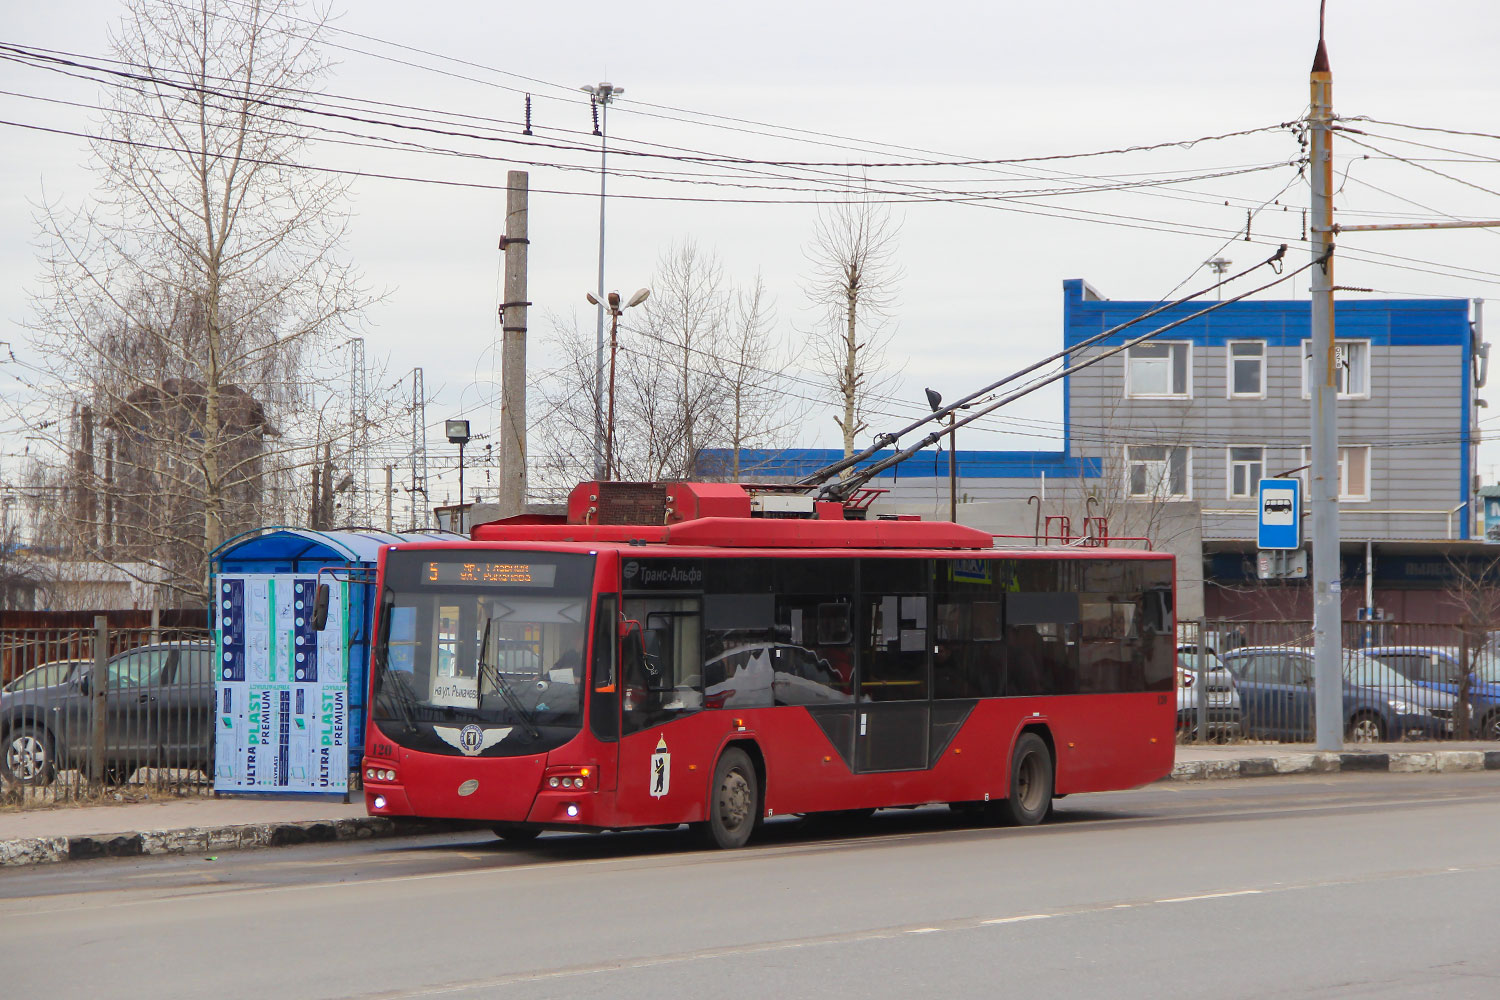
x,y
1031,779
733,801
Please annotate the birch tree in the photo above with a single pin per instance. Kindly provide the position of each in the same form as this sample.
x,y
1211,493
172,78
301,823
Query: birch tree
x,y
853,281
188,302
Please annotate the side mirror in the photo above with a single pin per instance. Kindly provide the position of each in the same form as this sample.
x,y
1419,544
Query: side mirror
x,y
320,608
85,684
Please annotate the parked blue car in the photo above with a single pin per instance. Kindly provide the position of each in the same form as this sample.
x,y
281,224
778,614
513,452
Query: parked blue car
x,y
1276,698
1440,668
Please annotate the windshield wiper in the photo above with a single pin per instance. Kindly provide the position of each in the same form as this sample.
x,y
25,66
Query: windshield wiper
x,y
523,716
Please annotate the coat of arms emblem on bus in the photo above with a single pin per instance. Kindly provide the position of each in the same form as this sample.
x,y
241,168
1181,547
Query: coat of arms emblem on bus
x,y
471,740
661,769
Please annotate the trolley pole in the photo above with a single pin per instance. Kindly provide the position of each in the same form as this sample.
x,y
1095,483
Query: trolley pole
x,y
1327,590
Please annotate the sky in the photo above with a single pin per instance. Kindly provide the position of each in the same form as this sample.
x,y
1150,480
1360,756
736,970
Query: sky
x,y
850,85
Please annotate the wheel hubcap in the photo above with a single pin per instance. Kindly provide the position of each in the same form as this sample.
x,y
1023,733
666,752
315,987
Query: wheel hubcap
x,y
1029,782
734,800
1366,731
26,758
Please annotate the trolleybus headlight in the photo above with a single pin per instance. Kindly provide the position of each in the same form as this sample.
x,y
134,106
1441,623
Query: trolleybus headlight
x,y
553,781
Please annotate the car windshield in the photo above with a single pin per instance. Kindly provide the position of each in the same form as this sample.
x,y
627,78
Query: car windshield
x,y
481,652
1367,671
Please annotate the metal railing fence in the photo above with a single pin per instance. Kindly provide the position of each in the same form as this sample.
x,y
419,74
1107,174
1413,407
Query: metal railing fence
x,y
148,727
1401,681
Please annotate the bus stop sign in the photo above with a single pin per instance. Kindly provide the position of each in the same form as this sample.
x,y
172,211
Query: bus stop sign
x,y
1280,521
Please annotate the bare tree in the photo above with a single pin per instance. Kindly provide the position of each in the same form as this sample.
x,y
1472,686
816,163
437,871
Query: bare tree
x,y
682,325
1475,594
186,304
700,369
853,280
756,413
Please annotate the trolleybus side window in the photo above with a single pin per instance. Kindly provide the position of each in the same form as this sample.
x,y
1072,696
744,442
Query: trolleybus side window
x,y
1158,626
1110,655
739,628
1041,632
669,680
968,644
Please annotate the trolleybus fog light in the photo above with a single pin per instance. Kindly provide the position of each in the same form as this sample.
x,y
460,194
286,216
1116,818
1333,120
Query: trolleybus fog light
x,y
572,810
380,802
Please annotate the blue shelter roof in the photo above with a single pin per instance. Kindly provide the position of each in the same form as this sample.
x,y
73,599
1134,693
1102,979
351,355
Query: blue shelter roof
x,y
303,548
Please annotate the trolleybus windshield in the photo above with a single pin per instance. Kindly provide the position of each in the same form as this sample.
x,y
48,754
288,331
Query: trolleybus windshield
x,y
481,653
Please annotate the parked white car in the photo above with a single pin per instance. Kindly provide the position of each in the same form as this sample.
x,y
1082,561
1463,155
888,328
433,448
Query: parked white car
x,y
1203,671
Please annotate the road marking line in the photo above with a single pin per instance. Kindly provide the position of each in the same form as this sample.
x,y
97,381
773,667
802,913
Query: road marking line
x,y
924,930
1211,895
1017,920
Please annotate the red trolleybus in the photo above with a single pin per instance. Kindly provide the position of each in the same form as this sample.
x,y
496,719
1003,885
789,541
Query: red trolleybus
x,y
703,654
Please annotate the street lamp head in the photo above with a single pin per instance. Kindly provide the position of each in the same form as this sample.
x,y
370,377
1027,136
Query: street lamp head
x,y
614,302
640,296
590,296
934,399
458,431
602,91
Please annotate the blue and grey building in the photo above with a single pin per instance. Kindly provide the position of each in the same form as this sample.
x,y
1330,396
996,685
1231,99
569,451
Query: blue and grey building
x,y
1199,414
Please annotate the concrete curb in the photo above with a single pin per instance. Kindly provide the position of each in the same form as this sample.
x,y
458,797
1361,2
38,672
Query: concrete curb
x,y
1414,762
207,839
213,839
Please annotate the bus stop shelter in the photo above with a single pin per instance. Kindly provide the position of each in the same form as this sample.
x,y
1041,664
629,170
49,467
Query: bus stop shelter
x,y
290,699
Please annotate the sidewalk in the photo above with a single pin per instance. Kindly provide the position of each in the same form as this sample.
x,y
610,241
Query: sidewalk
x,y
208,825
198,825
1253,760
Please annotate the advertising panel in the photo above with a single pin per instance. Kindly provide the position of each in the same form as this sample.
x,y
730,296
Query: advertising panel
x,y
282,687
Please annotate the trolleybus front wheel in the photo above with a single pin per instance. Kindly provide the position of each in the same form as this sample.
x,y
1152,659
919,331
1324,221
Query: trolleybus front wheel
x,y
733,801
512,834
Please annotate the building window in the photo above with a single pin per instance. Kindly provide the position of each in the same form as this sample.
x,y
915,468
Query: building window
x,y
1247,369
1351,368
1156,472
1247,465
1158,370
1354,471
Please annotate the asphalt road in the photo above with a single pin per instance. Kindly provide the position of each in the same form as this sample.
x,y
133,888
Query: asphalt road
x,y
1344,885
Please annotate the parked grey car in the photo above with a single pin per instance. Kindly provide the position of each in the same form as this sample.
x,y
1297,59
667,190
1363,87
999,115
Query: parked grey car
x,y
159,711
1276,690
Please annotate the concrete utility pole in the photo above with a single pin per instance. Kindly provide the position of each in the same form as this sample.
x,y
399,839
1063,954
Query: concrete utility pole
x,y
418,451
513,349
1328,685
390,494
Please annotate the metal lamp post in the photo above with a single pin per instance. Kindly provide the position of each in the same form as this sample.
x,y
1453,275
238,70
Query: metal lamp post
x,y
935,400
601,94
458,433
615,309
